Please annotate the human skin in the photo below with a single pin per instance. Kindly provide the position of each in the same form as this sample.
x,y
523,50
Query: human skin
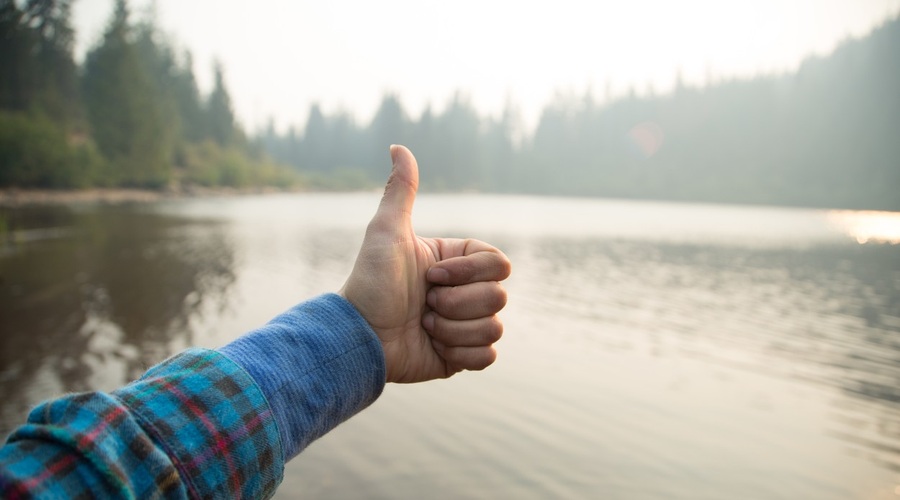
x,y
432,301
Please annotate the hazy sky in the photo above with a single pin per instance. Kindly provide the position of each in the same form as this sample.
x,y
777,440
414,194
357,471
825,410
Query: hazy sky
x,y
281,55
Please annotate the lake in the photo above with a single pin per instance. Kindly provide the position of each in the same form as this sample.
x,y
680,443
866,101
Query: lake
x,y
651,350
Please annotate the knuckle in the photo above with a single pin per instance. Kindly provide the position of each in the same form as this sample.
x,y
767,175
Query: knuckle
x,y
494,330
505,268
484,359
465,269
499,296
497,264
451,298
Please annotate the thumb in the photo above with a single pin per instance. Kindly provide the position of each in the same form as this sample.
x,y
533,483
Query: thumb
x,y
400,192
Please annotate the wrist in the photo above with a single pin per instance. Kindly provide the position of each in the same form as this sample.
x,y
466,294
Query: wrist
x,y
386,351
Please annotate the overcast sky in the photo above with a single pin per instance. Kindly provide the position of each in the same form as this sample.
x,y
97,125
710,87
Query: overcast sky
x,y
281,55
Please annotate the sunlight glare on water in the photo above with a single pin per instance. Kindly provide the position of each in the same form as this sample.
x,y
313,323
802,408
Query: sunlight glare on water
x,y
869,226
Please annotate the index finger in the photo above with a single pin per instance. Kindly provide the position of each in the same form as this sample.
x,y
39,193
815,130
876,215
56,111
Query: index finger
x,y
478,262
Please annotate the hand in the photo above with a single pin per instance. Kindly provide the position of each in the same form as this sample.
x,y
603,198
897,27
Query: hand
x,y
431,301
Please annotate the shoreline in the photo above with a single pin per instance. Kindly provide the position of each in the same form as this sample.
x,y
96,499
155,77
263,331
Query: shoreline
x,y
13,197
21,197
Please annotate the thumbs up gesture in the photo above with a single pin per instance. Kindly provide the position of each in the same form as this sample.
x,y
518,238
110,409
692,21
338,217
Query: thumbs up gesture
x,y
432,301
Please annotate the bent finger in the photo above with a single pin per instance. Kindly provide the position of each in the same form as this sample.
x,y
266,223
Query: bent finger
x,y
471,301
466,358
473,261
463,333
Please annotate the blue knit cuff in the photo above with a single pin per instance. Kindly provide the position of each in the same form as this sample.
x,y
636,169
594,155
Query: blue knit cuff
x,y
318,364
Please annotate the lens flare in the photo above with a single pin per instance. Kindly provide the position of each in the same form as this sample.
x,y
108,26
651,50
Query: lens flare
x,y
647,137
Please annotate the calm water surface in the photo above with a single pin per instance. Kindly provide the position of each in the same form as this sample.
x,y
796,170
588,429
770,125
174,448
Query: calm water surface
x,y
651,351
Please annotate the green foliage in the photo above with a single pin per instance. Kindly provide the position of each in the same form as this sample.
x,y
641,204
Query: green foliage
x,y
208,164
56,79
124,109
35,54
140,101
342,179
35,152
219,115
17,45
187,101
42,143
823,136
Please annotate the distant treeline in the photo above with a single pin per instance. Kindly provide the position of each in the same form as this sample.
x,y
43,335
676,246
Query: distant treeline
x,y
130,116
827,135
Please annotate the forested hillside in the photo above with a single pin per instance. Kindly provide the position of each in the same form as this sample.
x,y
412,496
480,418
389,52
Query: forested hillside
x,y
132,116
826,135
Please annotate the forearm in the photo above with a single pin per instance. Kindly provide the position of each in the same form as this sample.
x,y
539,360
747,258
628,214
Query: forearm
x,y
205,423
318,364
194,425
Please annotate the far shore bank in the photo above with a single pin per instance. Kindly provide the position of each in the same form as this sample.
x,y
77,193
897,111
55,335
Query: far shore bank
x,y
14,197
19,197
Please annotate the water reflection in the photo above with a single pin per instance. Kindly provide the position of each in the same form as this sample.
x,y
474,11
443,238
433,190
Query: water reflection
x,y
92,296
652,349
828,315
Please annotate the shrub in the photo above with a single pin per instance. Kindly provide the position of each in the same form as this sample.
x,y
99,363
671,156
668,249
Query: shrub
x,y
35,152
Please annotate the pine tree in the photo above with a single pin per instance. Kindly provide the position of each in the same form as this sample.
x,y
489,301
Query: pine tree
x,y
17,46
219,115
56,76
126,121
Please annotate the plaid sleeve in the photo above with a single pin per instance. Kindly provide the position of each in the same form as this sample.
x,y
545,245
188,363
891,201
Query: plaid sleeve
x,y
318,364
195,425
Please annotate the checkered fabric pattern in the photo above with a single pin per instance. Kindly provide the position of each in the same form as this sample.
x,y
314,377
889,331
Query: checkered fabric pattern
x,y
195,425
318,364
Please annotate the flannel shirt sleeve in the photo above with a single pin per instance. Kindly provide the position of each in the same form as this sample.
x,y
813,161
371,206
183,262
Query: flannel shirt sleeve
x,y
204,424
318,364
196,425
